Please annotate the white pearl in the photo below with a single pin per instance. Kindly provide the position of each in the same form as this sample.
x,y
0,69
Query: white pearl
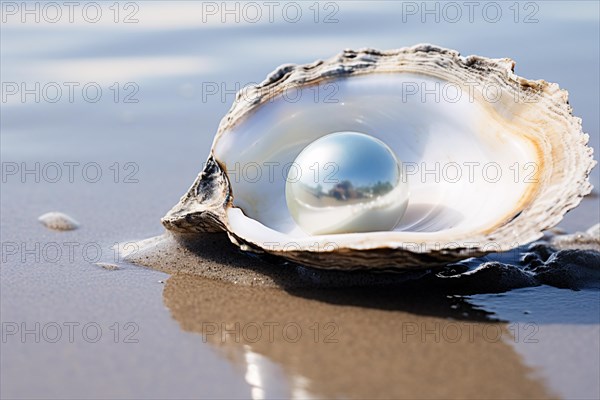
x,y
346,182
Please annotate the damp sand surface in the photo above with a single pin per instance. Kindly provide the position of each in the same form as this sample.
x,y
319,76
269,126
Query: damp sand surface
x,y
219,323
407,328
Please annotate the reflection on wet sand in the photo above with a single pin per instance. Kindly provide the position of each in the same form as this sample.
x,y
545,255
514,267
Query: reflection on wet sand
x,y
353,342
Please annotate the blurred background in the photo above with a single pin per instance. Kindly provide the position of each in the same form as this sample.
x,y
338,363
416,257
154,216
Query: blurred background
x,y
134,91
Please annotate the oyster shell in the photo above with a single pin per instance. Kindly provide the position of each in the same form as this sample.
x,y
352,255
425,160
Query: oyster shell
x,y
524,123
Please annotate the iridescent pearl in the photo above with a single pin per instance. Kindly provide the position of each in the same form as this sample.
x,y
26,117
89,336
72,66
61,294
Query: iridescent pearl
x,y
346,182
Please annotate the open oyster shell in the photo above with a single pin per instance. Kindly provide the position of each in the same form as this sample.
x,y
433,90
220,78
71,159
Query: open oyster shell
x,y
523,128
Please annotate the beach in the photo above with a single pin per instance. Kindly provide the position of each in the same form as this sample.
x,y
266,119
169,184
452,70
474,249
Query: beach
x,y
80,321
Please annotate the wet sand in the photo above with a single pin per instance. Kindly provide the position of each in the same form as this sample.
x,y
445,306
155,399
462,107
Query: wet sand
x,y
354,344
416,335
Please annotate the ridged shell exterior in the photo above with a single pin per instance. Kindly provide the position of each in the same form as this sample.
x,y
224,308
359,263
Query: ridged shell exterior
x,y
567,160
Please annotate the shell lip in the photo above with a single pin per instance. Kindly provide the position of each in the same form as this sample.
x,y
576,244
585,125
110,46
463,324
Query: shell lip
x,y
365,241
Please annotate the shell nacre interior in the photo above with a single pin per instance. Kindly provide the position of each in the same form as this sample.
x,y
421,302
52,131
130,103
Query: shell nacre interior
x,y
432,133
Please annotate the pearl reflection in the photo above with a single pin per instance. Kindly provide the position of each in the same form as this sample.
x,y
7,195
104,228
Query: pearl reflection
x,y
346,182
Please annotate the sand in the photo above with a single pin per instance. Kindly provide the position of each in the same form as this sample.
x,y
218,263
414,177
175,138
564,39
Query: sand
x,y
167,346
354,344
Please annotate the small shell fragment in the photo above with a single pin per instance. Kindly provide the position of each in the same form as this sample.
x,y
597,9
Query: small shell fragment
x,y
58,221
588,240
108,266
